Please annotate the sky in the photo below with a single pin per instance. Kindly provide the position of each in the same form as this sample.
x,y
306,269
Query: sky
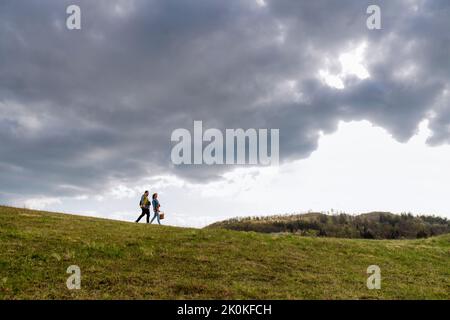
x,y
86,115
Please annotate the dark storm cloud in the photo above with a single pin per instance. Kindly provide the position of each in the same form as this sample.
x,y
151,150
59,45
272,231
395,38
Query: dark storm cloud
x,y
81,108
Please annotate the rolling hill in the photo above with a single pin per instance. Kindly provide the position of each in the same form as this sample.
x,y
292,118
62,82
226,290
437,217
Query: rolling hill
x,y
121,260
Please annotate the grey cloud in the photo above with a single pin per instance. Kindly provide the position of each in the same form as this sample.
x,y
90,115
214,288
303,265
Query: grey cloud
x,y
86,107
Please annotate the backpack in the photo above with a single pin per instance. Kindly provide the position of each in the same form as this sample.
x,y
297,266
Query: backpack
x,y
141,202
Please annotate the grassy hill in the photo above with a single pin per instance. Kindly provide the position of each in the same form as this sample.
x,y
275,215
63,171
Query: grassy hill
x,y
130,261
374,225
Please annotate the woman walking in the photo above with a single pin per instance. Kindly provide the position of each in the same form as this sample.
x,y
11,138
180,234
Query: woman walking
x,y
156,206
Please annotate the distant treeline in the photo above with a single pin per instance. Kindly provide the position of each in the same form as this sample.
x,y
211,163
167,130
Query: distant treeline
x,y
375,225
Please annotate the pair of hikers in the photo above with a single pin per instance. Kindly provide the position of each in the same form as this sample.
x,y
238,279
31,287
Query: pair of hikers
x,y
145,206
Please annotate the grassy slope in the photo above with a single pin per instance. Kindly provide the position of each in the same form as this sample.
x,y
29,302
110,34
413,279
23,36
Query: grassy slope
x,y
125,260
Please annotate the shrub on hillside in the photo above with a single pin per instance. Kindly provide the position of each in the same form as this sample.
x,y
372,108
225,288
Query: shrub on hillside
x,y
376,225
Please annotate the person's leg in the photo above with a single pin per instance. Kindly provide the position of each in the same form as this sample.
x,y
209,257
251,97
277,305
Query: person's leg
x,y
157,215
142,214
153,217
147,212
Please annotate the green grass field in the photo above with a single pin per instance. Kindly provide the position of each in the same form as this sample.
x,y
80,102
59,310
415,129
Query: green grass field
x,y
121,260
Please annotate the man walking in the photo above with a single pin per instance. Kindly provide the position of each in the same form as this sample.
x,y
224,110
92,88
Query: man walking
x,y
145,206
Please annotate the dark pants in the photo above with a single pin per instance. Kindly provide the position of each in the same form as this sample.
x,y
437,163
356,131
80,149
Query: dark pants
x,y
144,212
